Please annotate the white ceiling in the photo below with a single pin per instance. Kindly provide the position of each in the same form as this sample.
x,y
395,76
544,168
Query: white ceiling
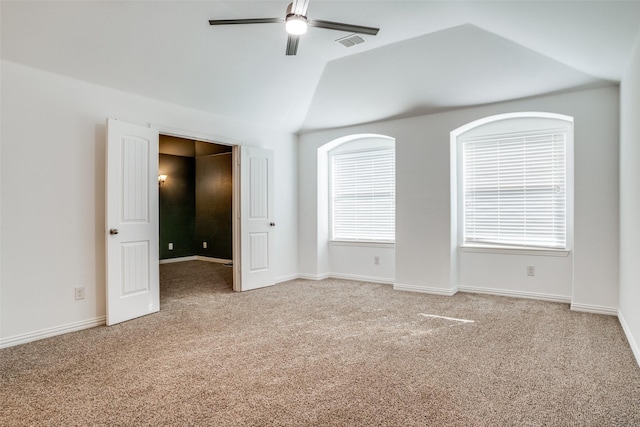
x,y
428,56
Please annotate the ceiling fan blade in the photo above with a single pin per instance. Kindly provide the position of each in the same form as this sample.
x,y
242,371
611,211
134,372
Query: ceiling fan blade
x,y
372,31
299,7
292,44
245,21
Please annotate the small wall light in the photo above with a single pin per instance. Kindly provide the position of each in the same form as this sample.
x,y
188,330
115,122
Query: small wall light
x,y
162,179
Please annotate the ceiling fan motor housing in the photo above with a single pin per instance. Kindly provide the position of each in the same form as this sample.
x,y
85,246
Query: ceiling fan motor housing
x,y
295,24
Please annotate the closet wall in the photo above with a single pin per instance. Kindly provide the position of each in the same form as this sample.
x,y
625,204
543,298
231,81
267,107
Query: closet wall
x,y
195,199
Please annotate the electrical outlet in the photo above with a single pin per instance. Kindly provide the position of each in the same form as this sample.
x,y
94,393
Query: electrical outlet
x,y
79,293
204,245
531,270
376,260
170,246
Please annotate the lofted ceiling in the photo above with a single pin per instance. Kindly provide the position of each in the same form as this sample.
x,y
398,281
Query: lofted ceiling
x,y
428,55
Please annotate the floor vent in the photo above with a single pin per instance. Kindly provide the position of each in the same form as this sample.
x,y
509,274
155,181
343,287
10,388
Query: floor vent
x,y
351,40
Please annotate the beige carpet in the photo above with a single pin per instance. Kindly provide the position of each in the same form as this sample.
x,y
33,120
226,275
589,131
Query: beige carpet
x,y
333,352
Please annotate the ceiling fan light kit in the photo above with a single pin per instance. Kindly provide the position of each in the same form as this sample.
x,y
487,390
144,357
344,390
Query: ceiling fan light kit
x,y
296,24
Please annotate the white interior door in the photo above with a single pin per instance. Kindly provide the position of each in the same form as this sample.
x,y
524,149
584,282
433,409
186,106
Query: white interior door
x,y
257,224
132,235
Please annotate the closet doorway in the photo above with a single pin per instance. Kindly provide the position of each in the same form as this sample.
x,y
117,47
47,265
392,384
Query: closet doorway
x,y
195,201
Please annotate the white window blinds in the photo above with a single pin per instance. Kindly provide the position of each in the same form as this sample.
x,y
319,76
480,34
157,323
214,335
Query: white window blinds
x,y
514,190
363,195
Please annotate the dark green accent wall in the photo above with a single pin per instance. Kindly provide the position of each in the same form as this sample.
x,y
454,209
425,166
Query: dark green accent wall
x,y
196,206
213,206
177,206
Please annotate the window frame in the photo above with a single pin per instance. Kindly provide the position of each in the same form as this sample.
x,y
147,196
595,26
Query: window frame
x,y
510,124
359,148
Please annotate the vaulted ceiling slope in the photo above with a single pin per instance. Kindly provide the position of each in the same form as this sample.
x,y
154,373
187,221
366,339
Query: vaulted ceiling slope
x,y
428,55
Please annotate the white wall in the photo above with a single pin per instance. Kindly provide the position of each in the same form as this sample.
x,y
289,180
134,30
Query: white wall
x,y
552,281
424,260
53,169
357,262
630,200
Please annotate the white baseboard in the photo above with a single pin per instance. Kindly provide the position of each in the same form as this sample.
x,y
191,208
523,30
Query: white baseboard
x,y
360,278
425,289
314,276
515,294
596,309
355,277
181,259
286,278
52,332
210,259
632,342
195,258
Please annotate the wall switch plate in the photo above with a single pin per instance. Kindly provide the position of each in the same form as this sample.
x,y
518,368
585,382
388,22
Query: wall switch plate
x,y
531,270
170,246
79,293
204,245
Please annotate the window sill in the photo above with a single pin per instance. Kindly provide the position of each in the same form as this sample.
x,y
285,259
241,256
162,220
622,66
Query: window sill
x,y
516,251
362,244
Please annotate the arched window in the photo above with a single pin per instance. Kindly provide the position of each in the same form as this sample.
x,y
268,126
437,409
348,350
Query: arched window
x,y
514,182
362,190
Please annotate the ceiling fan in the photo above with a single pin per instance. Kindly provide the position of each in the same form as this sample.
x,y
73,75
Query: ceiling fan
x,y
296,23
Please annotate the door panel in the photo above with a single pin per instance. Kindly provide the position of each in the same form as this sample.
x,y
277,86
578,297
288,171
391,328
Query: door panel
x,y
259,190
259,250
133,287
135,189
135,268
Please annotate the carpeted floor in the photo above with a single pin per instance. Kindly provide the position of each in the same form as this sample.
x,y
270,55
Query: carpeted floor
x,y
334,353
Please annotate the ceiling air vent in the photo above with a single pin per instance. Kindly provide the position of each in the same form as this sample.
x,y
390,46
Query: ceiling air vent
x,y
351,40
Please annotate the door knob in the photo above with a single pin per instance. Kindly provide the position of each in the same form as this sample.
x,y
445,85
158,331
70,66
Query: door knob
x,y
113,231
272,224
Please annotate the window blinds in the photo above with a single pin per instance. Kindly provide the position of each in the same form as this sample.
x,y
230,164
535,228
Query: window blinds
x,y
514,190
363,195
